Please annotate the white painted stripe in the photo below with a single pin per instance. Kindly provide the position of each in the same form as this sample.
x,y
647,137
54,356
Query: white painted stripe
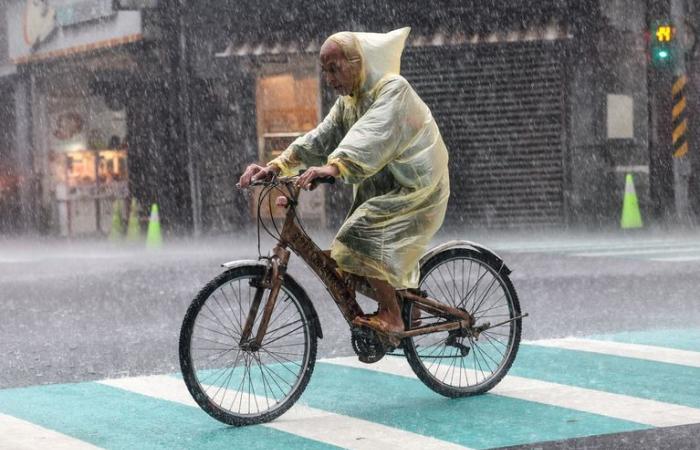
x,y
648,412
645,251
647,352
310,423
677,259
18,434
594,246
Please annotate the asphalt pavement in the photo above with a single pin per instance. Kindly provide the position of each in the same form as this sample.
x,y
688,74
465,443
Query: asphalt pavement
x,y
77,311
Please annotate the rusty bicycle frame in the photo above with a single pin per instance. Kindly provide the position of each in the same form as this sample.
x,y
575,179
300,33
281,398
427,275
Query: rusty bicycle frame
x,y
341,286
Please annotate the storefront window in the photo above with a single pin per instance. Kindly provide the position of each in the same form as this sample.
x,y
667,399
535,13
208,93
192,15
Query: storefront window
x,y
288,107
87,157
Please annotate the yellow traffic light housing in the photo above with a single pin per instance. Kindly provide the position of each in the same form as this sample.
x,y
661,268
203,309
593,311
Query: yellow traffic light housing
x,y
663,43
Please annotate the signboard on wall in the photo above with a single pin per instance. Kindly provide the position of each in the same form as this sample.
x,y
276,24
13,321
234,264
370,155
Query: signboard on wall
x,y
135,4
51,28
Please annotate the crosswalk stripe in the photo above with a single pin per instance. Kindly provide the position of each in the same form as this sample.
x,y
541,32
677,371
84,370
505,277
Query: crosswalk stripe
x,y
639,251
597,245
117,419
671,250
677,258
310,423
648,412
637,351
678,338
19,434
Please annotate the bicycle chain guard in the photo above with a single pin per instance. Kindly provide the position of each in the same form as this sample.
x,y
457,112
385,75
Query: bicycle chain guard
x,y
367,345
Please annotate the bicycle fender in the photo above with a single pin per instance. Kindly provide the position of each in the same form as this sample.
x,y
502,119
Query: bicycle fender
x,y
312,310
490,255
243,262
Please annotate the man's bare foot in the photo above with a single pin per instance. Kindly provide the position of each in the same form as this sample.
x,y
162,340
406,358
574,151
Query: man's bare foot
x,y
382,321
393,321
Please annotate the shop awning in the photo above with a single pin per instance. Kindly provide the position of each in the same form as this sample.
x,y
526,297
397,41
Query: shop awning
x,y
250,27
551,31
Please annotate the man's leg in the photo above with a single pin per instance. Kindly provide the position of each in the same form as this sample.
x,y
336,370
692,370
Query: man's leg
x,y
389,311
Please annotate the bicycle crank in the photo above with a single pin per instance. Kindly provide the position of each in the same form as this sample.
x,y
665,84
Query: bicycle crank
x,y
367,345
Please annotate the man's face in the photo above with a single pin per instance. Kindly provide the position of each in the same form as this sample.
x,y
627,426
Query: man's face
x,y
336,69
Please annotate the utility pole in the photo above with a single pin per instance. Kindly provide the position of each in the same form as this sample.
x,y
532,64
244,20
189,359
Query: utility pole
x,y
185,87
178,47
669,163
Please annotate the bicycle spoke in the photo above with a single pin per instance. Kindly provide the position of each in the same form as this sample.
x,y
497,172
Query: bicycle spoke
x,y
486,294
469,283
284,335
241,379
289,324
214,331
217,320
232,309
223,310
208,340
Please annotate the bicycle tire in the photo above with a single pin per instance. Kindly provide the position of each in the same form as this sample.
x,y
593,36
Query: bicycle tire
x,y
439,266
194,371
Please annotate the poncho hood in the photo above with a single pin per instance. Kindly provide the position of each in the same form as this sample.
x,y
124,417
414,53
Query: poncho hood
x,y
381,54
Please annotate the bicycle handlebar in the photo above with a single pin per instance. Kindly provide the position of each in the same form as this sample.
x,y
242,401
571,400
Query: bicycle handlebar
x,y
289,180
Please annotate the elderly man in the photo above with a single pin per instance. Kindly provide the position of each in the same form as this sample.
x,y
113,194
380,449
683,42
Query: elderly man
x,y
380,137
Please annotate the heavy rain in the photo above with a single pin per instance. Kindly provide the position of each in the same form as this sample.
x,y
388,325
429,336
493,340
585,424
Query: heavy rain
x,y
356,224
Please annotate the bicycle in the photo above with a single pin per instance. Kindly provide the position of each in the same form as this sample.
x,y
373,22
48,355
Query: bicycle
x,y
245,365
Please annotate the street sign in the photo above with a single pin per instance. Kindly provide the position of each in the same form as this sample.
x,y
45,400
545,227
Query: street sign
x,y
134,4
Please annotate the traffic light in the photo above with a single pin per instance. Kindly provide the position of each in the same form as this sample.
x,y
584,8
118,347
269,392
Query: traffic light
x,y
663,43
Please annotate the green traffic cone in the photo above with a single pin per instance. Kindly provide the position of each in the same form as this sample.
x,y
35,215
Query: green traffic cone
x,y
631,217
117,230
133,228
153,237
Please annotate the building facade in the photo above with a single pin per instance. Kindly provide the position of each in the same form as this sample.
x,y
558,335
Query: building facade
x,y
543,105
93,117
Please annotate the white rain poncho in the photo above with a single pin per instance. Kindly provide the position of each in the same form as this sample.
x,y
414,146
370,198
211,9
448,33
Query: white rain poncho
x,y
385,142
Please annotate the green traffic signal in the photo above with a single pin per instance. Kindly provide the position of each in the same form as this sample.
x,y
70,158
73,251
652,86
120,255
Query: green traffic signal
x,y
662,43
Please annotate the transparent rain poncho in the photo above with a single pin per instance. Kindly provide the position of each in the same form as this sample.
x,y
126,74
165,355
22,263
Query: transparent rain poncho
x,y
385,142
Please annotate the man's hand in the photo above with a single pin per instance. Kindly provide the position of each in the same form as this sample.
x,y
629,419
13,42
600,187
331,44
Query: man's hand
x,y
255,172
312,173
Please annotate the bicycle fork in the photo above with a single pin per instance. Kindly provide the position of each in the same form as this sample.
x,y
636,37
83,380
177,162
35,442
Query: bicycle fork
x,y
271,280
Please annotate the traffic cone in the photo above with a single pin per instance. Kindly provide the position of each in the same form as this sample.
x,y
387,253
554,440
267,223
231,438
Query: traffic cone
x,y
133,228
117,230
153,237
631,217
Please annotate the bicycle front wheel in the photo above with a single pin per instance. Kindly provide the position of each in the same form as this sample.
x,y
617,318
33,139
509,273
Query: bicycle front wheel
x,y
461,363
239,384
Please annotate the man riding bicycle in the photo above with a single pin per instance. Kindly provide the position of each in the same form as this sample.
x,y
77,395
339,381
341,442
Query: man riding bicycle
x,y
380,137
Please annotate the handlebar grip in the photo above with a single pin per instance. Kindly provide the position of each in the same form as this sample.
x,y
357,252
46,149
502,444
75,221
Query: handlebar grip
x,y
323,180
320,180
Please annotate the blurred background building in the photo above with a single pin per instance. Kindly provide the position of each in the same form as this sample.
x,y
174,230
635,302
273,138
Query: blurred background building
x,y
545,106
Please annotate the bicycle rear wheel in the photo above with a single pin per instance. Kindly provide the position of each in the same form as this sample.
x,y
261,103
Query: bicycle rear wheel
x,y
456,363
234,383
